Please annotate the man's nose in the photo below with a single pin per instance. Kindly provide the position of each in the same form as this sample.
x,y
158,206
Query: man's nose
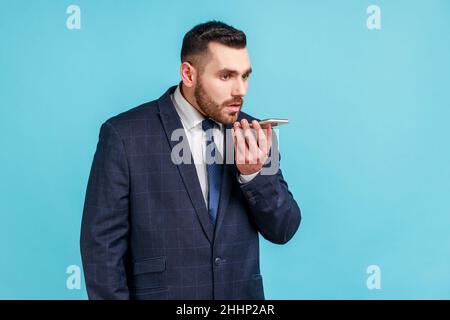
x,y
240,88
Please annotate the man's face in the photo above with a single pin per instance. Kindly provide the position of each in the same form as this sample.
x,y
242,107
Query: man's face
x,y
223,83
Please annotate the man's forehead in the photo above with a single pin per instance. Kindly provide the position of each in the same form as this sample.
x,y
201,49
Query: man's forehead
x,y
225,58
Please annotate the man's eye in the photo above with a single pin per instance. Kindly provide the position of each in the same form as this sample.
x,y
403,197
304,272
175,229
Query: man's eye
x,y
225,77
245,77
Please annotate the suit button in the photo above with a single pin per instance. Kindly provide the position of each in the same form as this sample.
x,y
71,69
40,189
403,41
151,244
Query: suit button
x,y
217,261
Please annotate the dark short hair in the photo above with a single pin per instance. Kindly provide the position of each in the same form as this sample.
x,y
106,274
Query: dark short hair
x,y
195,42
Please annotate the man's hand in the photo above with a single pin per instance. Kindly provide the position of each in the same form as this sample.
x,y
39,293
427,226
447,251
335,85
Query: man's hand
x,y
251,151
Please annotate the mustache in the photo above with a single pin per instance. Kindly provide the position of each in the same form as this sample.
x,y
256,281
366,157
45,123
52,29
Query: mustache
x,y
239,101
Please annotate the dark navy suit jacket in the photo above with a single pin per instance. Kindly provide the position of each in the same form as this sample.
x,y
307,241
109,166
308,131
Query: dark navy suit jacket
x,y
146,233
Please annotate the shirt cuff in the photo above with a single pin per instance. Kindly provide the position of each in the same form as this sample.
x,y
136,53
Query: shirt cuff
x,y
244,178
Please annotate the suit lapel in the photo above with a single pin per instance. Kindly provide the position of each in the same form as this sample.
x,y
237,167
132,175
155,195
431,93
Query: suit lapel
x,y
171,121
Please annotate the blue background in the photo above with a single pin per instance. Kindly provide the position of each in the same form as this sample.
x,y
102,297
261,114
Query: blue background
x,y
366,154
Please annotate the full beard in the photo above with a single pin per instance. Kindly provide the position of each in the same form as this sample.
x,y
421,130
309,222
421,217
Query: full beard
x,y
214,110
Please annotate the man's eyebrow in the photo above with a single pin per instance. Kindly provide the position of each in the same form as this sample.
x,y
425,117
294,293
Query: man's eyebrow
x,y
234,72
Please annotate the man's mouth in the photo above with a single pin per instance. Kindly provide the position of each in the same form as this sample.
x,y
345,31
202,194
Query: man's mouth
x,y
234,107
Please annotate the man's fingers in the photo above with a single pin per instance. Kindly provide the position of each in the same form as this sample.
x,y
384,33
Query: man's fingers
x,y
268,129
261,137
253,150
248,134
239,143
248,148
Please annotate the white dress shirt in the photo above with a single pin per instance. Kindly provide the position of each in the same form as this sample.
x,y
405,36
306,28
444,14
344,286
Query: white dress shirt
x,y
192,124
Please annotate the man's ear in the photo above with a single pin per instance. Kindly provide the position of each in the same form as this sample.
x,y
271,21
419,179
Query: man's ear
x,y
188,74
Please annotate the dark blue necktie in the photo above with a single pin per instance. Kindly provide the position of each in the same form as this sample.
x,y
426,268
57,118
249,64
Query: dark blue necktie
x,y
214,170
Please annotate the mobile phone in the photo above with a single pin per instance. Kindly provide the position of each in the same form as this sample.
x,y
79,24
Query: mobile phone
x,y
274,122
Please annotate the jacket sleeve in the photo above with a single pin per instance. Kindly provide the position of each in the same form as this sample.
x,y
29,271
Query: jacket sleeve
x,y
274,209
104,227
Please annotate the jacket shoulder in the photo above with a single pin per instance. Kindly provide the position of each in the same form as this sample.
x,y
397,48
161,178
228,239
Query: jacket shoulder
x,y
135,120
144,111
